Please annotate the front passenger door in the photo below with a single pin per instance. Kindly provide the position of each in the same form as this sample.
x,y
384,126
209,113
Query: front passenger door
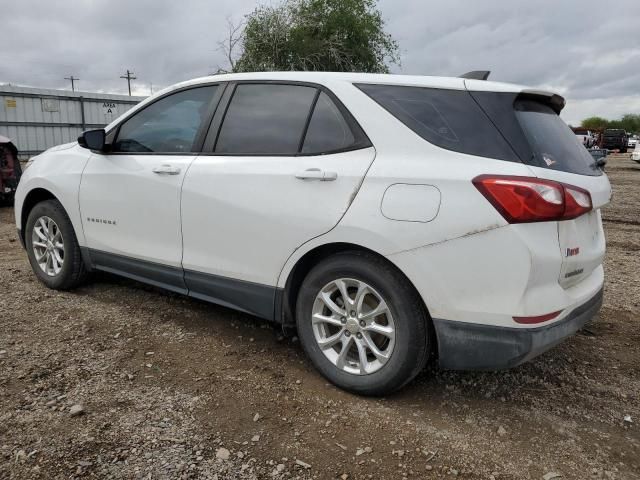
x,y
130,197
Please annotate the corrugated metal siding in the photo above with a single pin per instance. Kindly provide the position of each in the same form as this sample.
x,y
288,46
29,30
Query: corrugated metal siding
x,y
37,119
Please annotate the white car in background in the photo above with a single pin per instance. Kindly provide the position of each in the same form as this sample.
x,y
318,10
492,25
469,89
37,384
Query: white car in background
x,y
633,141
587,138
635,155
387,217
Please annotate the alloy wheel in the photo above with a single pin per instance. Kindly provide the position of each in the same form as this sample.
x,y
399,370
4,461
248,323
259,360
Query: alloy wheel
x,y
48,245
353,326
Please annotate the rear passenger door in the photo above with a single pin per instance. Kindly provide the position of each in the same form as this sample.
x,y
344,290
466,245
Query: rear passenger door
x,y
283,165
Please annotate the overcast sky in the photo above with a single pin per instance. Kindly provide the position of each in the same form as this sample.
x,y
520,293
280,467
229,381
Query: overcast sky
x,y
587,50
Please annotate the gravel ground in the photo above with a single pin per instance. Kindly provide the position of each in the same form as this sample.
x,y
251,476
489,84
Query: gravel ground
x,y
120,380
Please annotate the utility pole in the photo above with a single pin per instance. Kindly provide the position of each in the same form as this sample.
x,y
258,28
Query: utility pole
x,y
129,76
73,80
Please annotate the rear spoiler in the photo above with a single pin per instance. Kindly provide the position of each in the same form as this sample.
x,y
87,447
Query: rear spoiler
x,y
476,75
555,101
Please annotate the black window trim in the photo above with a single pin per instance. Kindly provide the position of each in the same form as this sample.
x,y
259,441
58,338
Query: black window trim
x,y
199,140
361,140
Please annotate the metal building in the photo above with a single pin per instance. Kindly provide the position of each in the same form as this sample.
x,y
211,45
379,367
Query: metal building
x,y
36,119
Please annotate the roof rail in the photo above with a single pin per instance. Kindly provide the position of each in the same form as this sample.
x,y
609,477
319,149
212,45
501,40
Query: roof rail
x,y
476,75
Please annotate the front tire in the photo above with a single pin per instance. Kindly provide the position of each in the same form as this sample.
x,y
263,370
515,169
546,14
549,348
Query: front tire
x,y
52,247
362,324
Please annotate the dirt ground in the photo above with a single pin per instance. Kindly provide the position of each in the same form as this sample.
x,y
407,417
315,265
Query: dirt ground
x,y
175,388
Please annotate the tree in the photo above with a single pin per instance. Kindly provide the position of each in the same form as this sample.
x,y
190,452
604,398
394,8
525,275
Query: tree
x,y
595,123
229,45
319,35
629,122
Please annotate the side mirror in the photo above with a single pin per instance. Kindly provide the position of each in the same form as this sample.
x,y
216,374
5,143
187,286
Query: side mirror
x,y
93,140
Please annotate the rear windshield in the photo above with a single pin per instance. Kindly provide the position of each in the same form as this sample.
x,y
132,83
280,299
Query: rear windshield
x,y
552,142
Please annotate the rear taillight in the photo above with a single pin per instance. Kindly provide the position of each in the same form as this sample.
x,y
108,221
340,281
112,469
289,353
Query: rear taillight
x,y
530,199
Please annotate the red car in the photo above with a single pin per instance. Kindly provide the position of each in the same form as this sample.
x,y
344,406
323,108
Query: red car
x,y
10,170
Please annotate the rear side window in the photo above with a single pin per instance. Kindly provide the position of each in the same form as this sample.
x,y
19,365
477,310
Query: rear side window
x,y
553,143
265,119
450,119
328,130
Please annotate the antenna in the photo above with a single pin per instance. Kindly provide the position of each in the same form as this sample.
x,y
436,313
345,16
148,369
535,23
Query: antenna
x,y
476,75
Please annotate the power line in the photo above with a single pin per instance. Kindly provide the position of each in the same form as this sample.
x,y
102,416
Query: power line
x,y
129,76
73,80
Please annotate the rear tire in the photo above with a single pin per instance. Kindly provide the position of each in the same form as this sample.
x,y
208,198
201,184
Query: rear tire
x,y
52,247
401,350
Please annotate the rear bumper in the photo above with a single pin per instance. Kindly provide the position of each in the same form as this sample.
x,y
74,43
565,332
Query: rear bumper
x,y
471,346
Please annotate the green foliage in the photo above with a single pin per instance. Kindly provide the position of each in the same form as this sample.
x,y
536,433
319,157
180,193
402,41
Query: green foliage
x,y
318,35
629,122
595,123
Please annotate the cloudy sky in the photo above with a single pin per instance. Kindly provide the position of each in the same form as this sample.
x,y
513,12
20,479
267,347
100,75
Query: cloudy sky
x,y
588,50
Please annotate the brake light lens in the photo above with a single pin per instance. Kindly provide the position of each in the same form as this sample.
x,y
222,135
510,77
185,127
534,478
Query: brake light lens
x,y
531,199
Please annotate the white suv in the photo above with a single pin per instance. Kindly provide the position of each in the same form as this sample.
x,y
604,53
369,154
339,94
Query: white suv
x,y
386,217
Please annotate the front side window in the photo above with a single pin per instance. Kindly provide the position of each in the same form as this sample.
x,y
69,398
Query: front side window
x,y
169,125
265,119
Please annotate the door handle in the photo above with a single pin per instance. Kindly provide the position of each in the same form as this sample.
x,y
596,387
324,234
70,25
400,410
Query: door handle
x,y
317,174
166,170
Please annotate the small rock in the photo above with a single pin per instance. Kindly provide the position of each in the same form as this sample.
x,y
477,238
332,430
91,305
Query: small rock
x,y
130,376
627,419
76,410
551,475
3,352
222,454
84,463
256,417
298,382
280,467
255,438
359,452
303,464
51,403
21,456
344,476
501,431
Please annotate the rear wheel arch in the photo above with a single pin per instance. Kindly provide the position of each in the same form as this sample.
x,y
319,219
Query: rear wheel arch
x,y
310,259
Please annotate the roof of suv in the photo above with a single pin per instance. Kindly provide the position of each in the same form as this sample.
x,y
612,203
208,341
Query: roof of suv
x,y
453,83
